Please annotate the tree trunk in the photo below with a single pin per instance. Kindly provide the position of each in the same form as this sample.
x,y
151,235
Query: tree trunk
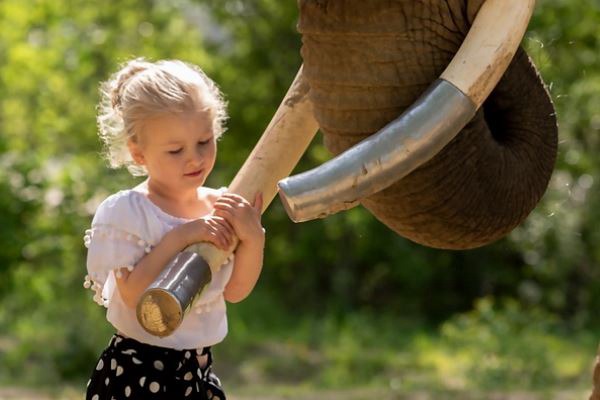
x,y
596,392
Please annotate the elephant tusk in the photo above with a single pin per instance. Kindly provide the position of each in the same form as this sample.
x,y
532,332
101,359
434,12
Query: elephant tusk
x,y
380,160
163,305
424,128
489,47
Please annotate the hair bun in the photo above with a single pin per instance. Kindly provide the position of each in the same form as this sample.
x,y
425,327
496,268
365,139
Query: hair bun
x,y
128,71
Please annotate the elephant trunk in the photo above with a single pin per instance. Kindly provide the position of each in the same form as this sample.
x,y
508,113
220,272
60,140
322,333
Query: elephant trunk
x,y
367,62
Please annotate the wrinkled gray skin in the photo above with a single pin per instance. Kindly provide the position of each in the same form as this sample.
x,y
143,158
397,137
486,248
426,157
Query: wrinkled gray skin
x,y
367,60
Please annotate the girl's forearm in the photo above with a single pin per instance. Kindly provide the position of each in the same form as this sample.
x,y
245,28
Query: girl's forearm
x,y
132,284
246,270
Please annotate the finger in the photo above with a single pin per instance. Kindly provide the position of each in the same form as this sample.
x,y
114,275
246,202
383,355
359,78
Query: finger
x,y
214,235
239,200
223,239
221,206
226,214
230,220
229,197
224,224
233,222
230,202
233,196
225,231
212,238
219,219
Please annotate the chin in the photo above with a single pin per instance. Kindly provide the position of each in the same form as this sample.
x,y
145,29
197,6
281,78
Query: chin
x,y
195,180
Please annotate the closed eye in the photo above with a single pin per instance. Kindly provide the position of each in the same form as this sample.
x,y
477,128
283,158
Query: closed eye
x,y
175,151
203,142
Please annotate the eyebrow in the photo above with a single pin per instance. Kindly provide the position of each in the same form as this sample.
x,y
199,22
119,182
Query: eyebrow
x,y
180,142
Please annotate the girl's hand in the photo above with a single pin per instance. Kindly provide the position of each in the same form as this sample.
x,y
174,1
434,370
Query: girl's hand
x,y
214,229
241,215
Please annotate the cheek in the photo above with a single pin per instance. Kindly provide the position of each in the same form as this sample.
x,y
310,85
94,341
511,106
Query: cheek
x,y
211,151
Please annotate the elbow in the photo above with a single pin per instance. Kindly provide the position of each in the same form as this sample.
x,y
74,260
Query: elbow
x,y
235,294
235,298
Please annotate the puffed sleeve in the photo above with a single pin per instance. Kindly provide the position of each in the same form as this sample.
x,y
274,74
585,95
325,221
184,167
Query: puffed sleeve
x,y
118,239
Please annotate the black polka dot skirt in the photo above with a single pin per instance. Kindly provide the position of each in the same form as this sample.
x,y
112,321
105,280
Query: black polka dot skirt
x,y
128,369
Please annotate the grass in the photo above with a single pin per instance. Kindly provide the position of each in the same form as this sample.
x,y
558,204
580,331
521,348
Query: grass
x,y
294,393
492,349
490,353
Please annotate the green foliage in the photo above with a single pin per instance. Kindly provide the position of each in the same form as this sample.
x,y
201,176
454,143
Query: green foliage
x,y
497,347
329,278
506,346
558,241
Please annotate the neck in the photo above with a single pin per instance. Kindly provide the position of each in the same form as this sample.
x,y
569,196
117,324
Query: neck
x,y
175,197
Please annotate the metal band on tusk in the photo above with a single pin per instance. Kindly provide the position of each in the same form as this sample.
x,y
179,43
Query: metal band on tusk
x,y
162,306
381,159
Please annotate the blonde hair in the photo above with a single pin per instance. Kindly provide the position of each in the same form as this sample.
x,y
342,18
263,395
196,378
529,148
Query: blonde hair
x,y
142,90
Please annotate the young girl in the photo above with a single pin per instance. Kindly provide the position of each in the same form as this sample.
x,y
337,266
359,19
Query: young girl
x,y
162,120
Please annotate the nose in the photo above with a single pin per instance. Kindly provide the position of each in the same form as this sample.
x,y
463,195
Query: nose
x,y
195,158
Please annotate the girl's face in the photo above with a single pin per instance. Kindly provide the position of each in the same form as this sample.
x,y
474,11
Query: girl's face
x,y
178,150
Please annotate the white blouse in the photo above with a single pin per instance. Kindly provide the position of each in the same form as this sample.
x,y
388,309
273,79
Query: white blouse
x,y
125,227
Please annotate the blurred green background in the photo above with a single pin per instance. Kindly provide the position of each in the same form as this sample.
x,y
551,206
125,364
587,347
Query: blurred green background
x,y
344,308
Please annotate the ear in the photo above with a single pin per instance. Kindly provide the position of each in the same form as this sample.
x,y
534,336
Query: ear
x,y
136,151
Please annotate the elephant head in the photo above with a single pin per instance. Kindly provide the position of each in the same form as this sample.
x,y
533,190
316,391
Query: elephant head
x,y
367,62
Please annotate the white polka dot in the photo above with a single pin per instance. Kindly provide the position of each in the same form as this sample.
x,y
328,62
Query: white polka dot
x,y
154,387
100,365
106,381
119,370
159,365
188,376
129,352
88,384
113,364
142,381
188,391
135,360
95,397
127,391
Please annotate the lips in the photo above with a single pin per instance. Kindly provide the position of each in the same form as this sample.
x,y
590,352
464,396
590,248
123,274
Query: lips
x,y
193,174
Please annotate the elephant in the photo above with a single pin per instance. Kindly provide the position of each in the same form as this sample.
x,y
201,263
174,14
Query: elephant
x,y
367,61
